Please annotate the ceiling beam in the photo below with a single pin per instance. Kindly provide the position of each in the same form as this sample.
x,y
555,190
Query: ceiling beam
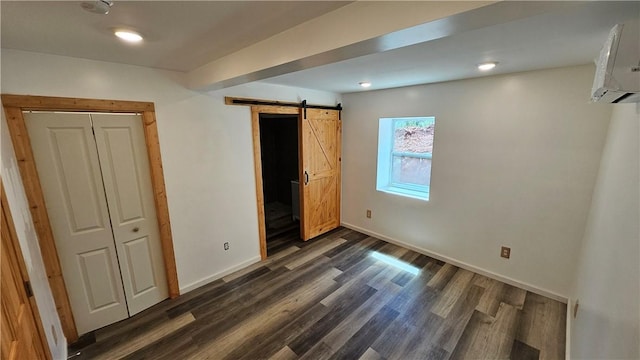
x,y
359,29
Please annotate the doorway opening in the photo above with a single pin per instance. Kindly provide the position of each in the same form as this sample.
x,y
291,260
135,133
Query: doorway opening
x,y
280,173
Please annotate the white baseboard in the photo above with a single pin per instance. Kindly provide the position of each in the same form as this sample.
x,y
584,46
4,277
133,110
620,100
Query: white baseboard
x,y
487,273
218,275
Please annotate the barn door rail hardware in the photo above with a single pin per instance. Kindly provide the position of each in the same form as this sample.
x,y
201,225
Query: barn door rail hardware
x,y
301,105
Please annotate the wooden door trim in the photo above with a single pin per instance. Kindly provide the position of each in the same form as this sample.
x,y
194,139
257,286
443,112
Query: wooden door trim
x,y
257,164
6,213
14,105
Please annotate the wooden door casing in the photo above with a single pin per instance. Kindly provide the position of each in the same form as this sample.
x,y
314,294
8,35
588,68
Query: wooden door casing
x,y
96,181
325,220
21,332
320,170
14,105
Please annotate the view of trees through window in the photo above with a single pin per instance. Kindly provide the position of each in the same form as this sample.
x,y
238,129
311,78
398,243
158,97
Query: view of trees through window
x,y
411,152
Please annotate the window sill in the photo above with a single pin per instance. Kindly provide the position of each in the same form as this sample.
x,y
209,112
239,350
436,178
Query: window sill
x,y
419,195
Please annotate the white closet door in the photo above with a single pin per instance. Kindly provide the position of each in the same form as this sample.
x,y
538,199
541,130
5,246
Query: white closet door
x,y
66,158
127,181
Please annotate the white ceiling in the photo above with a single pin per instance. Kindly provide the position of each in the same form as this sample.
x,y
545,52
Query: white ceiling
x,y
179,35
183,35
570,36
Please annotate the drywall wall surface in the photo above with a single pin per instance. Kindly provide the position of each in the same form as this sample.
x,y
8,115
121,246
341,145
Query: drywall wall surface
x,y
607,325
515,159
206,148
28,240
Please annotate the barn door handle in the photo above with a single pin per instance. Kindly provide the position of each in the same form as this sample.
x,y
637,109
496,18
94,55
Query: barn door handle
x,y
306,177
136,229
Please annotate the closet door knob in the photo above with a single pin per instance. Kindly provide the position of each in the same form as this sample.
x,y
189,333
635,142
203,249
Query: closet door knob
x,y
136,229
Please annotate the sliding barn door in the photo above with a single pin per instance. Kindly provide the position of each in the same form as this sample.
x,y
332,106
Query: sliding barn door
x,y
320,159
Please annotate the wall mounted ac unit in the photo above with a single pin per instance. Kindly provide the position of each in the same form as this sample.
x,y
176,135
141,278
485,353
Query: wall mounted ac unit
x,y
617,78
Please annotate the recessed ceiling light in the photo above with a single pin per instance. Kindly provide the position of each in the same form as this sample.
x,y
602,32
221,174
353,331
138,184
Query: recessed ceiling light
x,y
128,35
364,84
487,66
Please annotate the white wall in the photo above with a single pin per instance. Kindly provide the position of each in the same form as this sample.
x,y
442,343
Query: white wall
x,y
514,163
608,277
206,150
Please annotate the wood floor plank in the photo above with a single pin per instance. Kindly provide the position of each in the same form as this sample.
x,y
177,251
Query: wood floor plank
x,y
242,272
513,296
349,249
366,335
452,292
280,254
139,323
304,246
442,277
164,349
216,322
395,339
384,277
321,351
314,253
355,235
348,261
343,331
267,345
268,320
488,337
423,350
543,325
329,298
371,354
340,308
350,246
453,326
146,338
227,294
218,293
522,351
490,300
407,335
284,354
363,277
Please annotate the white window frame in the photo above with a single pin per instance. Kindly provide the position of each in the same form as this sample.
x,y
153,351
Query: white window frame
x,y
385,161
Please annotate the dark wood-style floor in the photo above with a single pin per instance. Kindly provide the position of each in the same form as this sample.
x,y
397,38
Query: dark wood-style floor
x,y
330,298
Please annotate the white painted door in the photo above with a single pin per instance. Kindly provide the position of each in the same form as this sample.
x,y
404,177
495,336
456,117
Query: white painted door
x,y
98,194
67,161
127,182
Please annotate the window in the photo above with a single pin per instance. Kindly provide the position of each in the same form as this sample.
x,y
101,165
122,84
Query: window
x,y
405,147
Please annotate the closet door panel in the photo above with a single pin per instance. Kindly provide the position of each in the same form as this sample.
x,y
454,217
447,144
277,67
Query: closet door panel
x,y
127,181
67,162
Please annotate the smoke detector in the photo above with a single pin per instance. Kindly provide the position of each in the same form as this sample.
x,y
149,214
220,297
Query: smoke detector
x,y
97,6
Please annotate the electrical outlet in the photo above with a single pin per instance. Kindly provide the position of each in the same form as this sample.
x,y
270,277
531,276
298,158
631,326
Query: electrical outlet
x,y
226,246
368,214
505,252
